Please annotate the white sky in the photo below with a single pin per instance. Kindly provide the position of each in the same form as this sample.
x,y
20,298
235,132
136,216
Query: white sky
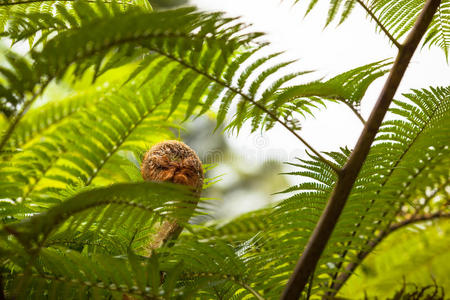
x,y
330,51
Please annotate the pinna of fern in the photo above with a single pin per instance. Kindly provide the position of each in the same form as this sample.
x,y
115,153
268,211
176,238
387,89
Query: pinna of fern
x,y
26,18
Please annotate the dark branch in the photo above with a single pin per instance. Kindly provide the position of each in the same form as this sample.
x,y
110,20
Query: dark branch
x,y
356,112
349,173
2,293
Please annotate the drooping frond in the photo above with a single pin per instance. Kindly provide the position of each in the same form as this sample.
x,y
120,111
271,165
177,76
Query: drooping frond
x,y
348,87
204,57
107,209
176,43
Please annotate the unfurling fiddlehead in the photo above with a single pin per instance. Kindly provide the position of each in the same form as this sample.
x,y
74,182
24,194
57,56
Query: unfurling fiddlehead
x,y
172,161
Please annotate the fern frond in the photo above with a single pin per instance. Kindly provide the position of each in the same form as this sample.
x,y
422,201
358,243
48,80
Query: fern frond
x,y
399,16
132,205
37,121
204,58
193,269
67,274
416,153
91,138
16,81
409,157
348,87
439,30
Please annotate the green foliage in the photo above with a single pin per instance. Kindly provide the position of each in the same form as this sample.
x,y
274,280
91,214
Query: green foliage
x,y
17,83
348,87
413,156
76,218
399,24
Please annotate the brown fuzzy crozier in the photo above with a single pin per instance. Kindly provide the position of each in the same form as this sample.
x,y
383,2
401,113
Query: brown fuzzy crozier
x,y
171,161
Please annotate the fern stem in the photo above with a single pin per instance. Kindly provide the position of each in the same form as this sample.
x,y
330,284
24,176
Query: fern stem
x,y
98,285
357,114
348,174
310,284
386,32
20,114
349,270
252,291
252,101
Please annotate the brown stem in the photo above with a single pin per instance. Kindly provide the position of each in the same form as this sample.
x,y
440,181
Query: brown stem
x,y
344,276
386,32
348,174
356,112
167,232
